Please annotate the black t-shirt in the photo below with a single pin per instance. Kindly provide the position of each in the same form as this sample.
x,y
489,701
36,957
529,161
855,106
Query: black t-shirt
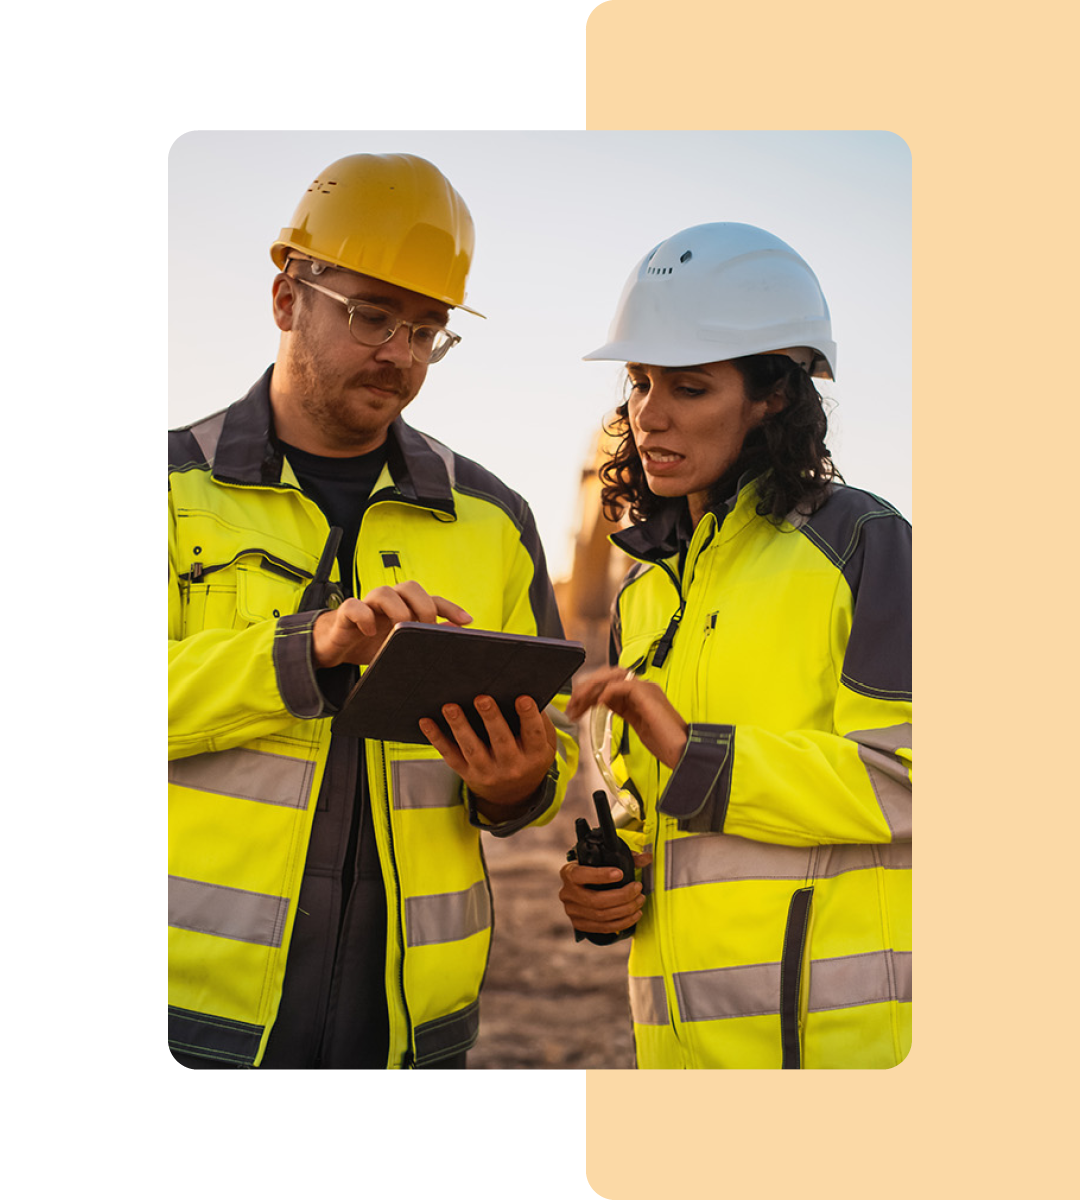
x,y
356,1023
341,487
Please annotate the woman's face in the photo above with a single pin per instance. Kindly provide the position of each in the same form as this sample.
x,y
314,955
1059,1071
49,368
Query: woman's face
x,y
689,425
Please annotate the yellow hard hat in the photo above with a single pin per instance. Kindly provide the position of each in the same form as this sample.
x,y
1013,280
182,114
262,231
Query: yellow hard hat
x,y
394,217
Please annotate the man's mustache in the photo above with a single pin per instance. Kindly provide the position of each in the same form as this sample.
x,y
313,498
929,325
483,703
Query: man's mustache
x,y
388,378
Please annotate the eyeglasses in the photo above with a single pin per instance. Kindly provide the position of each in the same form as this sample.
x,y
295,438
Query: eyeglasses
x,y
371,325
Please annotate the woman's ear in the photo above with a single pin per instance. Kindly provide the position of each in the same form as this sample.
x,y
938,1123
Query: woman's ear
x,y
777,401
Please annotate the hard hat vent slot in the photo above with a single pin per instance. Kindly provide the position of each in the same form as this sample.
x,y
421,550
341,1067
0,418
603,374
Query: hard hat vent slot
x,y
659,271
687,256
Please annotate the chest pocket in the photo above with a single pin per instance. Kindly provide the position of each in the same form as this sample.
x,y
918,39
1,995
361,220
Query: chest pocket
x,y
636,650
241,594
262,595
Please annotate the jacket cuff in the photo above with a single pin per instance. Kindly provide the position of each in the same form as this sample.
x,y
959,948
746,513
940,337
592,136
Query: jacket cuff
x,y
542,801
295,667
699,789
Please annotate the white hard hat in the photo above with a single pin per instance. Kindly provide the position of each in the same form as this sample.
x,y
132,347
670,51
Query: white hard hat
x,y
720,291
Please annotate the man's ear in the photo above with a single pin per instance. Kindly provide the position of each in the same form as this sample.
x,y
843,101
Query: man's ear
x,y
284,293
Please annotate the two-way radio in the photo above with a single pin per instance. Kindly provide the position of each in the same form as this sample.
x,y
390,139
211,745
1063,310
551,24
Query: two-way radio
x,y
602,847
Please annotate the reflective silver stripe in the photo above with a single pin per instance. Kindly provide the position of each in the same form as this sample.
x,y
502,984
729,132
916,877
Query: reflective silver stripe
x,y
888,774
424,783
718,858
648,1001
728,992
860,979
799,516
889,739
560,720
755,990
901,968
227,912
721,858
447,917
831,861
248,775
207,433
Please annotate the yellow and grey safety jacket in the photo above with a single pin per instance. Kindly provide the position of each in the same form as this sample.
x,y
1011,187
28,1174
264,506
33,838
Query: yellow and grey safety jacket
x,y
777,925
250,739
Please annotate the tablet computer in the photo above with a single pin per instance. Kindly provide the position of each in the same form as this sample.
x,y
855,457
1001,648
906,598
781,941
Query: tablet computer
x,y
421,667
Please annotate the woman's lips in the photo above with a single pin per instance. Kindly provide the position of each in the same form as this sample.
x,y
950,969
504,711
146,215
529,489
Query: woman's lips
x,y
658,460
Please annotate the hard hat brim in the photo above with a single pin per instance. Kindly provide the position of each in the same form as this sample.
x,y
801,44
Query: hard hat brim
x,y
279,253
693,354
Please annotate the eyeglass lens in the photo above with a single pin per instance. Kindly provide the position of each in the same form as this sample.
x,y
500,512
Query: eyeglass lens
x,y
373,326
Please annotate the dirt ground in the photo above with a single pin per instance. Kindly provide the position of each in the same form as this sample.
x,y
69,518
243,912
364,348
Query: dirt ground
x,y
548,1002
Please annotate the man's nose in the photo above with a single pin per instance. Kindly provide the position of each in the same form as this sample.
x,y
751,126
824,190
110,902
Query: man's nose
x,y
397,350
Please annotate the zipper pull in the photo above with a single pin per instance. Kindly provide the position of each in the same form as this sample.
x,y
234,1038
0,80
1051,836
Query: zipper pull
x,y
196,572
663,647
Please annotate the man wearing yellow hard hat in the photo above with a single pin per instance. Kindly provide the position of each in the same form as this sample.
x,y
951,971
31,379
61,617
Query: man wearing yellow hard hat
x,y
328,902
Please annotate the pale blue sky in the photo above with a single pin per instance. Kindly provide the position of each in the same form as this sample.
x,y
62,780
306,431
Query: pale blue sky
x,y
561,218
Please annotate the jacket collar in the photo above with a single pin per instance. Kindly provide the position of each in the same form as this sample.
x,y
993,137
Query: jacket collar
x,y
669,531
248,453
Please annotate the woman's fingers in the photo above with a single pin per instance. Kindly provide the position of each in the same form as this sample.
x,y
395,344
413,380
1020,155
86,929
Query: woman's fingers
x,y
586,694
592,911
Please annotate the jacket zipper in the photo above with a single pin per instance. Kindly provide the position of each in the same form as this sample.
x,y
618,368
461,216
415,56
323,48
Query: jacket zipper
x,y
666,937
663,648
408,1058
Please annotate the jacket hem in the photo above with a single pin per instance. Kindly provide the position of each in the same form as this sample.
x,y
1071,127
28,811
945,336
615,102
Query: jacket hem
x,y
446,1036
217,1038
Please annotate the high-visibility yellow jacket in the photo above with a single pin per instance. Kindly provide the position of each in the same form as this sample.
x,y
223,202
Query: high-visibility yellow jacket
x,y
777,926
249,729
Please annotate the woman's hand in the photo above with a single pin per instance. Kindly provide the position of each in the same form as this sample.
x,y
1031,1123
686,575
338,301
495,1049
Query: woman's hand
x,y
642,705
601,912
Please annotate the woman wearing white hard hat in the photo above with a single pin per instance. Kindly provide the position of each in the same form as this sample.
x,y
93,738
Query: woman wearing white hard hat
x,y
760,686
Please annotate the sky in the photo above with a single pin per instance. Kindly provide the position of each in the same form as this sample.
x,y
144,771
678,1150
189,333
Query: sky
x,y
561,219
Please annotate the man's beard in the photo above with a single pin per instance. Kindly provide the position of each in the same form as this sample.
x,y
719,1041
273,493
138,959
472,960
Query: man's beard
x,y
328,398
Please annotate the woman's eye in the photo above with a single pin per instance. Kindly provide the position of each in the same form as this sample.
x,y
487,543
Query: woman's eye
x,y
686,390
639,385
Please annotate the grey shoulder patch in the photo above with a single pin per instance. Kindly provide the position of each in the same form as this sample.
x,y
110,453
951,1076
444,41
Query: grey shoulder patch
x,y
194,446
469,478
837,525
870,542
474,480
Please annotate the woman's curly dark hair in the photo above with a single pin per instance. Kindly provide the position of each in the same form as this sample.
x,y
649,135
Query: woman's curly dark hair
x,y
788,447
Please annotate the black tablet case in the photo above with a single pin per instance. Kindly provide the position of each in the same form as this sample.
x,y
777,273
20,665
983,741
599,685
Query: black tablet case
x,y
421,667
